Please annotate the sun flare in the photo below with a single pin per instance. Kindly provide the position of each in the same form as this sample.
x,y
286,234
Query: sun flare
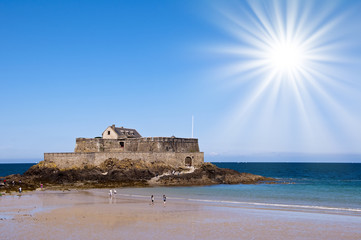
x,y
285,57
285,68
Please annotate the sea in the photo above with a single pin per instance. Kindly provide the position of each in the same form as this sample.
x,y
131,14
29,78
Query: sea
x,y
325,187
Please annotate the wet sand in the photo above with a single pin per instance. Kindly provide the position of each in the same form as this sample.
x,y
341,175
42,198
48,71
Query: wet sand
x,y
91,214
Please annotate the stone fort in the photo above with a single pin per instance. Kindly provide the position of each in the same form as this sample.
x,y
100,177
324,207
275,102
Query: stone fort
x,y
125,143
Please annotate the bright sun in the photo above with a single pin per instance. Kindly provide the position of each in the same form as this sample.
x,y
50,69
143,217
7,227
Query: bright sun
x,y
285,57
286,67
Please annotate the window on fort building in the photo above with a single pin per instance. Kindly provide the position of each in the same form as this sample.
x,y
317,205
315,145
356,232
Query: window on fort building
x,y
108,132
121,144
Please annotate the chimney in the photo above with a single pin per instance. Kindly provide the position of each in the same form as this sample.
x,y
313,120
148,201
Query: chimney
x,y
113,126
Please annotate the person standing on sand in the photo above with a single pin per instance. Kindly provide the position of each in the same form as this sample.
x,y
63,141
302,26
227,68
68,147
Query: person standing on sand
x,y
20,190
110,193
164,200
152,199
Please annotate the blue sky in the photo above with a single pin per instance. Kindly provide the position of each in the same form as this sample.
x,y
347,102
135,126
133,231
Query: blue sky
x,y
71,68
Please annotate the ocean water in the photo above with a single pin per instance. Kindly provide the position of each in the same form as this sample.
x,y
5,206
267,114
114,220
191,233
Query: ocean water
x,y
309,186
322,187
14,168
330,185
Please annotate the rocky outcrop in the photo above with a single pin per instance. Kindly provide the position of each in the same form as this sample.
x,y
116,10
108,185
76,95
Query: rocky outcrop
x,y
209,174
116,173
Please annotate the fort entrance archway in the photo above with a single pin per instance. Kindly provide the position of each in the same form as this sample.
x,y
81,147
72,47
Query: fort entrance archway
x,y
188,162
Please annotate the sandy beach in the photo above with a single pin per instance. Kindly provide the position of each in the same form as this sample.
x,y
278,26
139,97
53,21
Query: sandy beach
x,y
91,214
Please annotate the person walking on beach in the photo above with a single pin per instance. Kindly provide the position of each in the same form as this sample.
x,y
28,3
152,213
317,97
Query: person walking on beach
x,y
152,199
20,190
164,200
110,193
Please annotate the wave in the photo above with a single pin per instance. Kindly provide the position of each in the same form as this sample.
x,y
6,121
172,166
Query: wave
x,y
261,204
280,205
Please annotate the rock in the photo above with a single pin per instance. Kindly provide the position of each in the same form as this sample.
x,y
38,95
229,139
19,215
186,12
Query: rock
x,y
209,174
125,172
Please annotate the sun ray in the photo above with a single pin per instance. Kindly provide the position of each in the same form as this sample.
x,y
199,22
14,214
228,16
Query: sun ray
x,y
286,60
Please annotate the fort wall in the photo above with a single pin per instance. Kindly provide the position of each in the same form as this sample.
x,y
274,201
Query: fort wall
x,y
79,160
147,144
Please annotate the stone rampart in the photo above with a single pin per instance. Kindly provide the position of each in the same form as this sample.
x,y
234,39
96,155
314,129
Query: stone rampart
x,y
70,160
79,160
147,144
